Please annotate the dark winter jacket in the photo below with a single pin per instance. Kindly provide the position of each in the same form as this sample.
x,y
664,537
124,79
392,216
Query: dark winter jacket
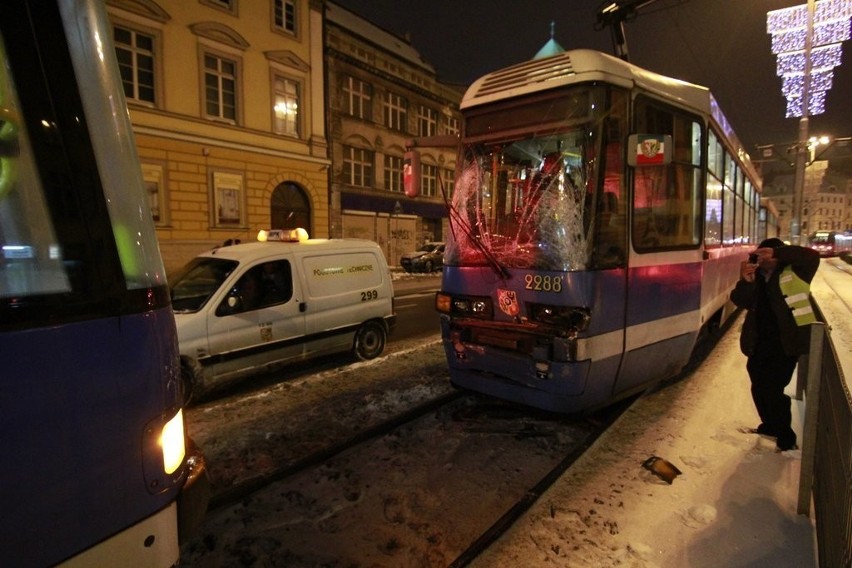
x,y
759,323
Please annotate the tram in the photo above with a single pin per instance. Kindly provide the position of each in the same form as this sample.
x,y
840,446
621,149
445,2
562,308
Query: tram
x,y
830,243
599,217
97,469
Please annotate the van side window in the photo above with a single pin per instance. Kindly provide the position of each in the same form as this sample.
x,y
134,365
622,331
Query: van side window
x,y
263,285
276,282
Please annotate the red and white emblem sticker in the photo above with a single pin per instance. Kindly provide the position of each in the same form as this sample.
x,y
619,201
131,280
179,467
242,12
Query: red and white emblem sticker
x,y
508,302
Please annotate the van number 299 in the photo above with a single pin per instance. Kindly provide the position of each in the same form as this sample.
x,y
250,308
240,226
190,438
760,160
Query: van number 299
x,y
369,295
544,283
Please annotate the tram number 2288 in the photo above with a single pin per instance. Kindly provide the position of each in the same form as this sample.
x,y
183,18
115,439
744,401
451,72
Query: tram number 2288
x,y
543,283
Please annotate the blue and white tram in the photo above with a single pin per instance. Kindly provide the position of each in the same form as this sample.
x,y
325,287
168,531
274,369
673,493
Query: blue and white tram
x,y
97,470
599,218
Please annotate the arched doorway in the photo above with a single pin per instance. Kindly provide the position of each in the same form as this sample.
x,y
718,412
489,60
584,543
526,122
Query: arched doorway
x,y
290,207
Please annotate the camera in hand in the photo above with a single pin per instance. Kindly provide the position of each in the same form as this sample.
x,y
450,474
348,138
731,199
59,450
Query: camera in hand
x,y
752,258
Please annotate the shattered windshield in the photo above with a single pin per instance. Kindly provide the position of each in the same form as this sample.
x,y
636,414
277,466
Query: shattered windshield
x,y
533,199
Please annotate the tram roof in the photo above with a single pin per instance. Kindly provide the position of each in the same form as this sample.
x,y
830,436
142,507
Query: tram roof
x,y
585,66
580,66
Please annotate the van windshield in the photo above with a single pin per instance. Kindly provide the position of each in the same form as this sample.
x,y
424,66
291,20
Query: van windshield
x,y
193,285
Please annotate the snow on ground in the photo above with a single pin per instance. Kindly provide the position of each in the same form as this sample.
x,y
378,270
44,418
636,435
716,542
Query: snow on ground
x,y
733,505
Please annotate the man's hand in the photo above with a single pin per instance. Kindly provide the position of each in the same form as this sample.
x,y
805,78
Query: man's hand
x,y
765,259
747,271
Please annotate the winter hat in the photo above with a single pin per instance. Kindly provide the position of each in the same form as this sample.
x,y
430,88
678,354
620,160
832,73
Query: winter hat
x,y
771,243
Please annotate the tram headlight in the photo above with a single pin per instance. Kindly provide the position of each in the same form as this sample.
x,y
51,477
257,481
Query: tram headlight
x,y
464,306
567,317
172,441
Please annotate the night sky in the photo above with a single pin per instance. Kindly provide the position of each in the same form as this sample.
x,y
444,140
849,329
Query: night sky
x,y
721,44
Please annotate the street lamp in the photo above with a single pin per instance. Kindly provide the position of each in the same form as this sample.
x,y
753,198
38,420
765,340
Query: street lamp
x,y
807,40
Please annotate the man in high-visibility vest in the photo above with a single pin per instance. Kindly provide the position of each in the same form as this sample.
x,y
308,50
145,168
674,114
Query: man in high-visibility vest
x,y
774,287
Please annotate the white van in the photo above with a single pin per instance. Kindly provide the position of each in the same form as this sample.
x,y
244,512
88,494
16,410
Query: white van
x,y
251,307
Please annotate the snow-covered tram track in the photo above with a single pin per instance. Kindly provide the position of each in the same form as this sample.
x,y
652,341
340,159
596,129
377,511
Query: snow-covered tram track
x,y
233,495
433,486
378,465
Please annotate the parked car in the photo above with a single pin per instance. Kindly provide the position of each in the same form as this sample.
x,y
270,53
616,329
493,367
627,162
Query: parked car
x,y
251,307
428,258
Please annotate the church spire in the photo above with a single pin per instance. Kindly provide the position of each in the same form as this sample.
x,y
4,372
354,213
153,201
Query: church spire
x,y
552,47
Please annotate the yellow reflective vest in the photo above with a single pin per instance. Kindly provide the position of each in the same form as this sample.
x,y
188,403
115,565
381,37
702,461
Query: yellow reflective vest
x,y
797,294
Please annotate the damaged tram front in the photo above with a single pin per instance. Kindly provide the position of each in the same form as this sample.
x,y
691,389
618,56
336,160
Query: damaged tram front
x,y
572,278
538,241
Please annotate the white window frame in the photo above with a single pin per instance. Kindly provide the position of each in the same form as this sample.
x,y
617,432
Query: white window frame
x,y
155,186
286,106
395,111
393,173
222,77
359,97
449,179
285,16
136,53
358,166
428,180
451,125
229,209
427,121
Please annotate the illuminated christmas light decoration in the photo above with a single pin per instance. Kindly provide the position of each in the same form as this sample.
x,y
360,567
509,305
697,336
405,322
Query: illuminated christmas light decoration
x,y
789,28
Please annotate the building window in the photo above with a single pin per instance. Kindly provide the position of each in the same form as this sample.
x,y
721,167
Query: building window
x,y
220,88
451,125
228,200
449,182
358,98
396,111
428,180
135,53
357,166
286,109
393,173
229,6
155,187
284,16
427,121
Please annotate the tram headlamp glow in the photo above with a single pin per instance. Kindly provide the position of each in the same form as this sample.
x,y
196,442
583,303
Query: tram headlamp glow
x,y
172,442
474,307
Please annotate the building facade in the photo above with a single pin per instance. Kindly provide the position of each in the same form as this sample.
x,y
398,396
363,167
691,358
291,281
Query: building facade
x,y
226,98
381,95
826,201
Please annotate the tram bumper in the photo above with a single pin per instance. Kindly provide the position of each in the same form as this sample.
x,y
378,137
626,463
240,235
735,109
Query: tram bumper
x,y
194,497
516,367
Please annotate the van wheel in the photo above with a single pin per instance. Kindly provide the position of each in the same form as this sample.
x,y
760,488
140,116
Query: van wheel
x,y
369,341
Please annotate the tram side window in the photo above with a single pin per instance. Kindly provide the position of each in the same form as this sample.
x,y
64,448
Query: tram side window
x,y
30,255
751,215
713,200
667,199
729,200
739,236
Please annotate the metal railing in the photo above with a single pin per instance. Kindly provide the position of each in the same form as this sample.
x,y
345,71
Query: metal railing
x,y
826,469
